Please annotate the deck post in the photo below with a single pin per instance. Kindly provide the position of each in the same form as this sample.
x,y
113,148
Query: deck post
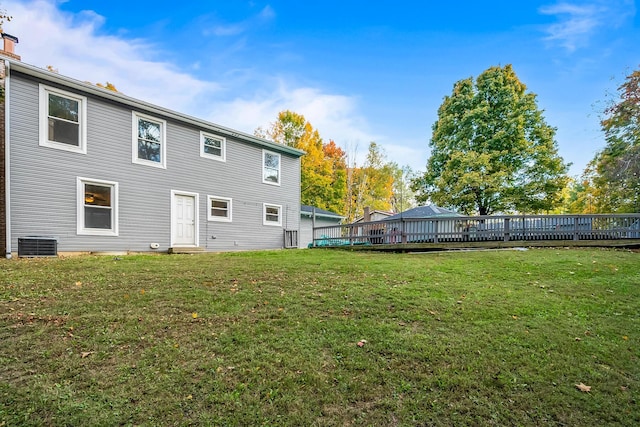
x,y
506,229
313,225
351,228
435,231
575,229
402,233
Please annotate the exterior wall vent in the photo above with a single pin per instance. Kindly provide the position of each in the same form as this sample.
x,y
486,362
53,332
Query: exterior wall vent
x,y
37,246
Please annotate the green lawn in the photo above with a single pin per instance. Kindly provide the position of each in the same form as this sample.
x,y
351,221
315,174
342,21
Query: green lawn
x,y
271,338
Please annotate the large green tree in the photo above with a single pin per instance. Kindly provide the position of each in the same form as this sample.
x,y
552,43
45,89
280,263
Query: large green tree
x,y
491,149
615,171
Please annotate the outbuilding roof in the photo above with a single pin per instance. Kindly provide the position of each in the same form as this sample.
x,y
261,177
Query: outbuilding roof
x,y
307,210
428,211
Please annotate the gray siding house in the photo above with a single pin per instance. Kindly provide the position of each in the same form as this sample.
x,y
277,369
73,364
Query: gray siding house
x,y
98,171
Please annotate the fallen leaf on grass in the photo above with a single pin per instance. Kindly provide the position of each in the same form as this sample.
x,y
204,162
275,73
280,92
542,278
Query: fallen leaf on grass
x,y
86,354
584,388
626,338
194,315
361,343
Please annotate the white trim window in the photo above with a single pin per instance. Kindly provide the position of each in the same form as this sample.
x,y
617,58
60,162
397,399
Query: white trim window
x,y
270,167
63,120
149,141
219,208
271,214
213,146
97,207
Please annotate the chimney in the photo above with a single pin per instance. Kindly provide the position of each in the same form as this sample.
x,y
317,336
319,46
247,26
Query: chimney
x,y
9,46
367,214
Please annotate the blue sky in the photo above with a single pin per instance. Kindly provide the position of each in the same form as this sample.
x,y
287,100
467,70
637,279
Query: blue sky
x,y
359,71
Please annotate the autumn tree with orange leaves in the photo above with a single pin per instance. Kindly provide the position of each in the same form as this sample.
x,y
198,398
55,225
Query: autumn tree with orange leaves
x,y
323,167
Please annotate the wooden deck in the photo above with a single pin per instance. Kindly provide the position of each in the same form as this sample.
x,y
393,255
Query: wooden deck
x,y
439,233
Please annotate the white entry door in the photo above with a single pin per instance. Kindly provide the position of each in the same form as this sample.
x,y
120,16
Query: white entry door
x,y
184,220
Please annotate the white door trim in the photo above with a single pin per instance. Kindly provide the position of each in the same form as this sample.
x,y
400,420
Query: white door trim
x,y
196,218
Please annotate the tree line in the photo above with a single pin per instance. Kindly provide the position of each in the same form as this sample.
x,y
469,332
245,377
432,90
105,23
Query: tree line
x,y
491,151
332,180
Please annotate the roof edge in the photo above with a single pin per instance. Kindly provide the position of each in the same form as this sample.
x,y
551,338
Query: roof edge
x,y
310,214
139,104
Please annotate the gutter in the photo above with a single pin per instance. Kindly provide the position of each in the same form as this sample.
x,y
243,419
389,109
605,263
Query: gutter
x,y
7,163
146,106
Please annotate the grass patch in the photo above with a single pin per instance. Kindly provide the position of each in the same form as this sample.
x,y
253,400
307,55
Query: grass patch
x,y
264,338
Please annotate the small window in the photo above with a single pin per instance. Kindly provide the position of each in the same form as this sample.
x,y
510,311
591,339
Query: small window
x,y
270,168
63,120
272,214
213,146
97,207
219,209
149,145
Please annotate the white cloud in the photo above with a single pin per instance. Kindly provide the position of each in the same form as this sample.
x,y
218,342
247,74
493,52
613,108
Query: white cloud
x,y
578,22
266,15
71,44
335,116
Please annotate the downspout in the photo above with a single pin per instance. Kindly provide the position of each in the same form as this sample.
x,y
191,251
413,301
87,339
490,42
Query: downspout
x,y
7,163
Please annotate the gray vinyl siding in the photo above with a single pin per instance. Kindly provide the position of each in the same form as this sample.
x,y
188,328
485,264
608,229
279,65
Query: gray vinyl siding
x,y
43,182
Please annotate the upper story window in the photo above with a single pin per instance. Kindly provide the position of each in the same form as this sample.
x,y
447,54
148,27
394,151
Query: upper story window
x,y
149,141
97,207
213,146
270,168
63,120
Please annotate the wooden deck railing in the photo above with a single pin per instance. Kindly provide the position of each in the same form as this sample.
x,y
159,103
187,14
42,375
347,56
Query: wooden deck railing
x,y
506,228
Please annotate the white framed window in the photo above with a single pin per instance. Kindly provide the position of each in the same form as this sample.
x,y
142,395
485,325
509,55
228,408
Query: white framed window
x,y
97,207
149,141
270,167
213,146
63,120
219,208
271,214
